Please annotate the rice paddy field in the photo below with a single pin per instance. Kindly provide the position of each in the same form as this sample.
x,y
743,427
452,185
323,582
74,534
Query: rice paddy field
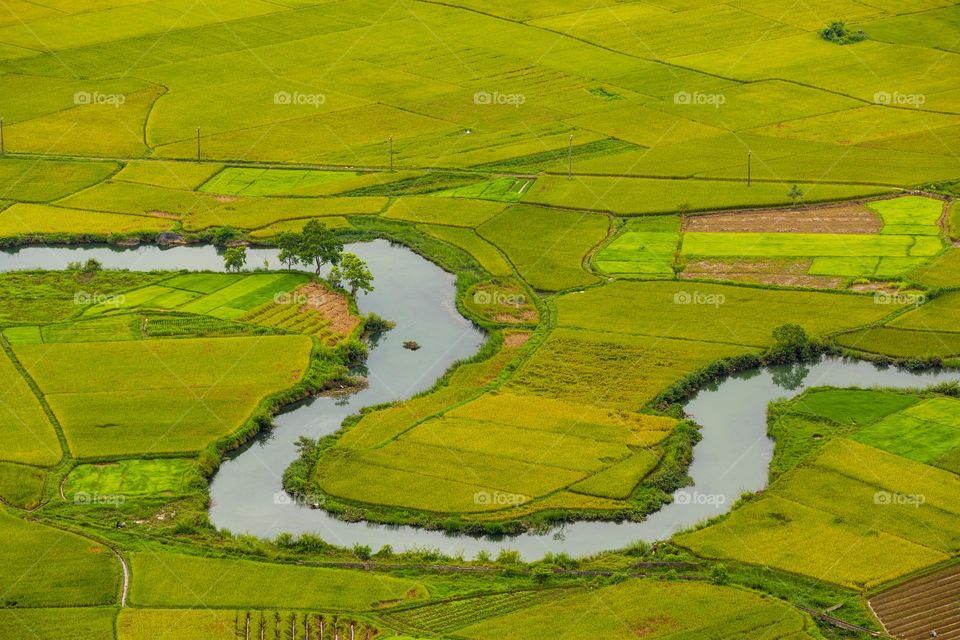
x,y
633,201
871,484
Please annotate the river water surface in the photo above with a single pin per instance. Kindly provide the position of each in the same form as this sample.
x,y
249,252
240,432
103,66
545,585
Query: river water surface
x,y
733,456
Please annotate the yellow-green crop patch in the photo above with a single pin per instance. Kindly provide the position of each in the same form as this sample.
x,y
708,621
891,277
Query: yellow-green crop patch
x,y
619,481
646,246
498,189
807,244
715,313
167,579
873,515
21,486
85,623
903,343
660,609
485,253
615,370
938,315
46,180
223,296
46,567
638,195
26,435
160,395
926,432
200,211
245,181
910,215
175,175
547,246
133,478
443,211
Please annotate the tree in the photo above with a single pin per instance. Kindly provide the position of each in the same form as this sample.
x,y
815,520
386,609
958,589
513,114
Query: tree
x,y
319,246
235,258
790,335
354,272
289,244
838,33
223,236
796,194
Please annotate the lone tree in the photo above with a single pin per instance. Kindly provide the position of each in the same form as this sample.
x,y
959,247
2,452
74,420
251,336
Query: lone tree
x,y
354,272
235,258
796,194
319,246
222,236
289,245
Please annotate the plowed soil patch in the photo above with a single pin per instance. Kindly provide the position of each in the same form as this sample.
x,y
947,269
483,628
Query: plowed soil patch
x,y
848,218
331,306
915,609
772,272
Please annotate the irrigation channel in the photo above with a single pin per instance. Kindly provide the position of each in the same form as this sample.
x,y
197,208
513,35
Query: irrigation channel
x,y
733,456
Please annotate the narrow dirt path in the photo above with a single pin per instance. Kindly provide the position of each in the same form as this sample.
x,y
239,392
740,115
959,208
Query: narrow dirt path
x,y
126,577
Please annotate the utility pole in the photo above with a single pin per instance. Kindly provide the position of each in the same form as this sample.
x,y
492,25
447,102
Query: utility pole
x,y
570,159
749,167
198,144
391,154
3,146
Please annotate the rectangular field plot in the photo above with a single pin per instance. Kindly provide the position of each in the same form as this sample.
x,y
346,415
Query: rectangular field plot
x,y
903,343
33,181
38,219
240,181
191,581
806,244
616,371
924,432
134,477
911,609
47,567
445,211
718,313
640,195
26,435
89,623
640,253
223,296
498,189
160,395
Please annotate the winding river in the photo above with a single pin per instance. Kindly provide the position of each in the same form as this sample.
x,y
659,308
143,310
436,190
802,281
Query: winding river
x,y
733,456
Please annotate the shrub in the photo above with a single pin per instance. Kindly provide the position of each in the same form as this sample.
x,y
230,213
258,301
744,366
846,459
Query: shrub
x,y
838,33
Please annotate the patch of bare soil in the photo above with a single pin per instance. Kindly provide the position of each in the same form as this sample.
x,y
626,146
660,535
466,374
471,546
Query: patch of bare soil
x,y
844,218
331,306
875,287
163,214
516,339
915,609
226,198
523,316
790,273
